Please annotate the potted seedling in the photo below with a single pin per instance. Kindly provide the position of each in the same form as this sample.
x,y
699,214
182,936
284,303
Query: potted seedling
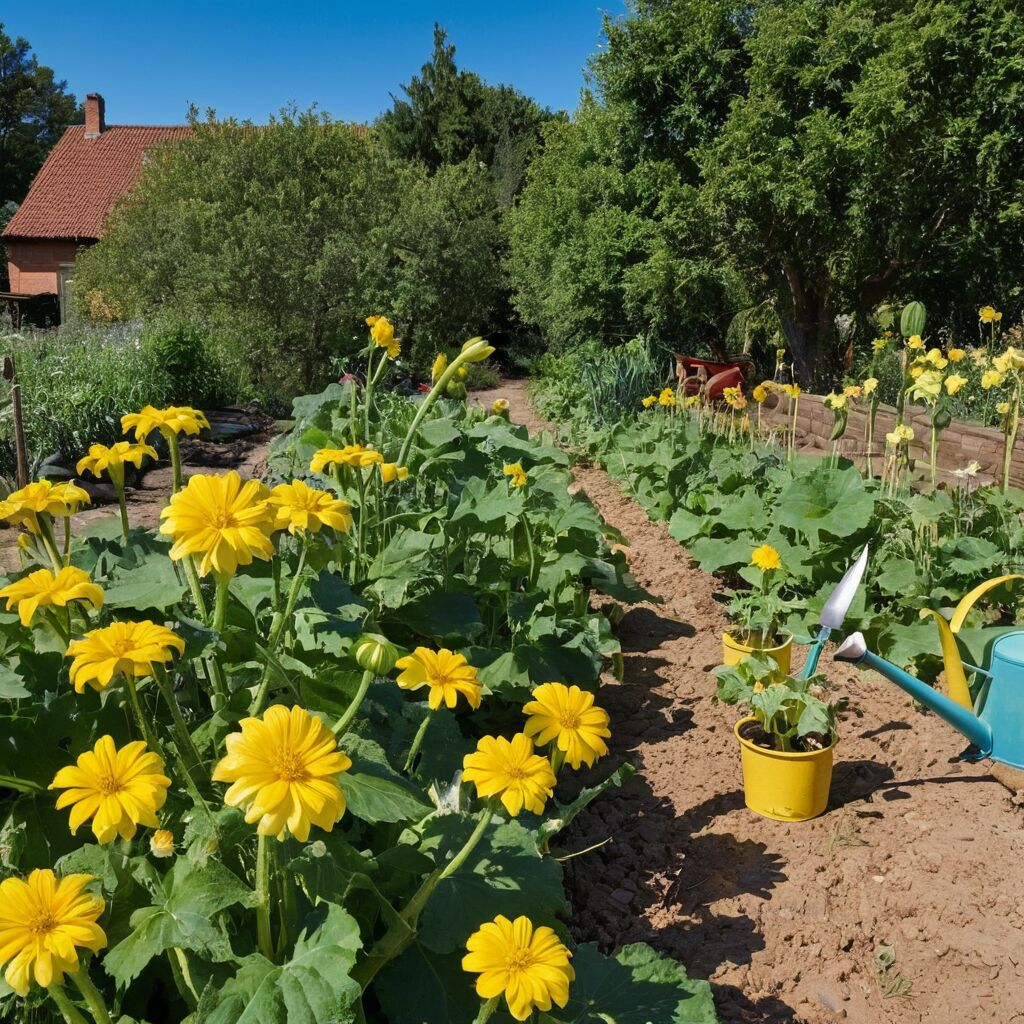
x,y
758,610
786,740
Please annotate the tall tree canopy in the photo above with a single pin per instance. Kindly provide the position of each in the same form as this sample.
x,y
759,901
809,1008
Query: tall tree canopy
x,y
448,115
281,239
35,109
828,154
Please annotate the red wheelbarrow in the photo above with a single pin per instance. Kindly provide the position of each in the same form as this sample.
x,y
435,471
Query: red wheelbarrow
x,y
708,378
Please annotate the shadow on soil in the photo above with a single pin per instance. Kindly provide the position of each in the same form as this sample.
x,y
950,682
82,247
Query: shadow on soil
x,y
642,884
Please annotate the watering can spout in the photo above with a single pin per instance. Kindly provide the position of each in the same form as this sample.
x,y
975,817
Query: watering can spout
x,y
854,649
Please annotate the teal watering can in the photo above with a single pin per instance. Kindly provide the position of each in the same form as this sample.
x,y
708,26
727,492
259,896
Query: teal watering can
x,y
993,717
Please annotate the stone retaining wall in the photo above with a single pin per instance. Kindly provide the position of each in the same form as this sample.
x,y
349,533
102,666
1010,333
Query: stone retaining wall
x,y
959,444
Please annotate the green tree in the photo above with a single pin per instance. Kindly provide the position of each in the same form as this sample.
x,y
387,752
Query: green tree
x,y
876,151
828,154
281,239
35,109
449,115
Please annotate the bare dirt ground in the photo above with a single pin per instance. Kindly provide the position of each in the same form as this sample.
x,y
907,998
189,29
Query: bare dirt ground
x,y
917,850
240,442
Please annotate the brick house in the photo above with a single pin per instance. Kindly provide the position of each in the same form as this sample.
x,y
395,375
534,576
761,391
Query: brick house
x,y
86,173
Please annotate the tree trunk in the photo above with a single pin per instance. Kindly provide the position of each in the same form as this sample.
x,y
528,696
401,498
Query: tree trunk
x,y
808,323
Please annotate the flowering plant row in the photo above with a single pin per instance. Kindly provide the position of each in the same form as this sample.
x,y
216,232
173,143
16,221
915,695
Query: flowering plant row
x,y
297,755
726,494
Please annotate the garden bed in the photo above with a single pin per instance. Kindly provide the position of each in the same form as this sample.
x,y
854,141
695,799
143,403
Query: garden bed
x,y
788,920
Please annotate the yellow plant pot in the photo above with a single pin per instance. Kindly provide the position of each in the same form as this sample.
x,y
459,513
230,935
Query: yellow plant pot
x,y
786,787
734,651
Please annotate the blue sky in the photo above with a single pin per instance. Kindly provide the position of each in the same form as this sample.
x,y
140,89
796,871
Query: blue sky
x,y
247,58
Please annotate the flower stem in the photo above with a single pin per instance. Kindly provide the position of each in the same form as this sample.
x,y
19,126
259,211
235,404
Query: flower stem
x,y
346,719
172,447
368,397
181,733
123,508
220,607
178,963
197,591
487,1010
66,1007
50,541
140,718
401,934
417,742
435,392
92,996
263,935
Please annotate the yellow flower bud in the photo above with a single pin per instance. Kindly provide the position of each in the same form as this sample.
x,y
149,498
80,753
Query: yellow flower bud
x,y
375,653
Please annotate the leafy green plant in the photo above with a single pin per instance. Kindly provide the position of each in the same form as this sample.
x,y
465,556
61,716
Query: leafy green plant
x,y
794,714
351,588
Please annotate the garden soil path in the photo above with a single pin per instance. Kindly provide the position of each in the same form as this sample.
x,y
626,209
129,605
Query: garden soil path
x,y
239,442
917,850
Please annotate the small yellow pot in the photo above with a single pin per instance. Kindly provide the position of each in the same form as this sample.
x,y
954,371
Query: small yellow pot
x,y
734,651
786,787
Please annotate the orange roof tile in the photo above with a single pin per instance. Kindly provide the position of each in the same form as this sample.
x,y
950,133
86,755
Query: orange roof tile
x,y
82,179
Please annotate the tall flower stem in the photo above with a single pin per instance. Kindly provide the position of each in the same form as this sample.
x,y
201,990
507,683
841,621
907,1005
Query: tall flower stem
x,y
933,457
1010,436
50,541
357,569
346,719
181,733
277,627
487,1010
417,742
140,718
368,397
435,392
92,996
220,607
66,1007
264,939
175,452
401,934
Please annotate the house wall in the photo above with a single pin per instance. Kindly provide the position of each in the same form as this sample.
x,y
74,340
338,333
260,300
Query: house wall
x,y
34,264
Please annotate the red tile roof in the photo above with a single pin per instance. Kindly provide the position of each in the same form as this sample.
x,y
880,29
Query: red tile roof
x,y
82,179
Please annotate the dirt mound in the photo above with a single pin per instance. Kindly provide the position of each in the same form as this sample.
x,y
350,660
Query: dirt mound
x,y
917,852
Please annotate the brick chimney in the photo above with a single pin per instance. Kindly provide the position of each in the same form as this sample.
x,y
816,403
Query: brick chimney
x,y
94,120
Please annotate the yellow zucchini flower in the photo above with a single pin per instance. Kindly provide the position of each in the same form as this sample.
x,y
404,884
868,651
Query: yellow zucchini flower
x,y
283,769
118,789
223,520
122,648
566,715
448,675
528,965
44,921
509,769
43,589
299,508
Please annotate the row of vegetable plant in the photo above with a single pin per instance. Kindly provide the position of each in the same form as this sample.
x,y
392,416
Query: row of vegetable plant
x,y
725,489
296,755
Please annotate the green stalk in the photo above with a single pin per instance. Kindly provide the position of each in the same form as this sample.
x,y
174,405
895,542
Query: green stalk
x,y
264,938
175,452
934,454
92,996
357,569
398,938
178,963
487,1010
277,627
425,405
221,605
67,539
192,576
50,541
181,733
140,718
20,785
123,508
417,742
66,1007
346,719
368,398
1010,435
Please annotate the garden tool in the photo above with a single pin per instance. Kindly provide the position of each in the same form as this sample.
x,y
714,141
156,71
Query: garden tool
x,y
834,610
992,718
